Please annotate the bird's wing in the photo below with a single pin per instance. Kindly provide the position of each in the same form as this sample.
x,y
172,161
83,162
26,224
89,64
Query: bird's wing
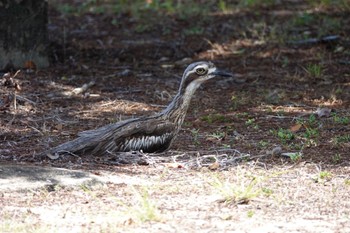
x,y
107,128
148,135
114,137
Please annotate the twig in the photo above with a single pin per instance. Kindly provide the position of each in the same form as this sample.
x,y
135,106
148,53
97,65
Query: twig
x,y
325,39
35,129
17,72
57,155
279,117
25,99
14,100
84,88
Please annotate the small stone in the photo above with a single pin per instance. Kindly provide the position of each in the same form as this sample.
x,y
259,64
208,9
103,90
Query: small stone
x,y
277,150
323,112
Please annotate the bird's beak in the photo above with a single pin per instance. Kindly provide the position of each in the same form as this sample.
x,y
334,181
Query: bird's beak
x,y
221,73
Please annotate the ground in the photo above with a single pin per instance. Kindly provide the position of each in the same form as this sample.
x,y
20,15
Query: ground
x,y
265,151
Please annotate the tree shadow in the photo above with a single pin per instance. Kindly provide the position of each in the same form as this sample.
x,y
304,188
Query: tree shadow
x,y
137,66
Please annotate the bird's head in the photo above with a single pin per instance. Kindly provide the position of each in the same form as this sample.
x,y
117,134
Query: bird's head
x,y
198,72
194,75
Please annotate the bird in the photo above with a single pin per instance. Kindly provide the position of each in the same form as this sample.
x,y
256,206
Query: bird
x,y
148,134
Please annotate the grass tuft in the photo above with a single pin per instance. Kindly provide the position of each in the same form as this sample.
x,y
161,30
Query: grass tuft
x,y
237,193
144,209
314,70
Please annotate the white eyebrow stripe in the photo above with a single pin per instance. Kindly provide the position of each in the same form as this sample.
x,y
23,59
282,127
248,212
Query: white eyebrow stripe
x,y
211,70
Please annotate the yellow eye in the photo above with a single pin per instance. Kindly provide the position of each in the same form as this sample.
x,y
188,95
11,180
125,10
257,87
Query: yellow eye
x,y
201,71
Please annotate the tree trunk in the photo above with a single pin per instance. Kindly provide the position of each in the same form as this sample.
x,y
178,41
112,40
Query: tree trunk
x,y
23,33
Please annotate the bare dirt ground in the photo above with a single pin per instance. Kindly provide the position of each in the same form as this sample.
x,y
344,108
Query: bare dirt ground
x,y
267,151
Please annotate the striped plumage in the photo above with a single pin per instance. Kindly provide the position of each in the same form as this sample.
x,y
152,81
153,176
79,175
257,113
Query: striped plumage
x,y
148,134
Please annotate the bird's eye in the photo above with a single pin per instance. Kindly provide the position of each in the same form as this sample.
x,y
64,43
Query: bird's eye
x,y
201,71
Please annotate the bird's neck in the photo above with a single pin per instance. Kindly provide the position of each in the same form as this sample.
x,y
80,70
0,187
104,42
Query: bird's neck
x,y
177,109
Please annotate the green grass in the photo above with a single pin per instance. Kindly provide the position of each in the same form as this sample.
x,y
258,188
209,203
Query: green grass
x,y
285,62
250,213
323,176
222,5
295,157
329,26
340,120
337,158
218,135
285,135
237,193
311,133
314,70
303,19
251,123
144,209
342,139
339,4
243,187
214,118
267,192
307,136
302,26
263,144
298,146
235,102
195,30
256,3
143,27
312,119
66,9
195,136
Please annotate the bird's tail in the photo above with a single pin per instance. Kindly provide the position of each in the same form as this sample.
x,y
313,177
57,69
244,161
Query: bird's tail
x,y
85,142
76,146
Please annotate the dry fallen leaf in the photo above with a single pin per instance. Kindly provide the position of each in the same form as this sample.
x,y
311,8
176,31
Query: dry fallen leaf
x,y
214,166
59,127
295,128
30,65
174,165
